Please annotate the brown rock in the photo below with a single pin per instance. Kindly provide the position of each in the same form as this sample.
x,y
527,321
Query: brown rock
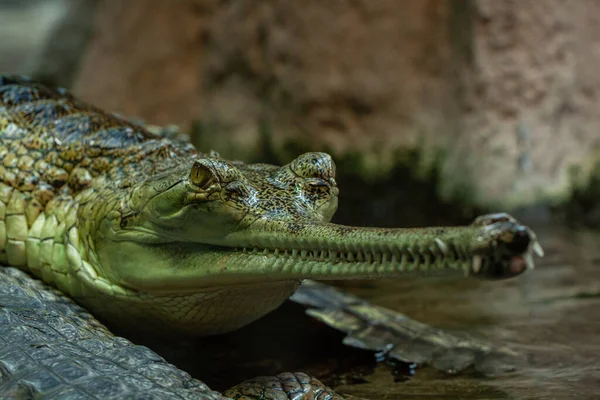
x,y
145,60
500,96
362,77
531,99
64,47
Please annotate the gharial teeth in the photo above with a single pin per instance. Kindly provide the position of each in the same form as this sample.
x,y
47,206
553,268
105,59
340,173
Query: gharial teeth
x,y
529,261
477,261
537,249
441,245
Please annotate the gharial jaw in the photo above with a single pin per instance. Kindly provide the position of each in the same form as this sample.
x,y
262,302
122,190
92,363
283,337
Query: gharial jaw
x,y
495,246
227,283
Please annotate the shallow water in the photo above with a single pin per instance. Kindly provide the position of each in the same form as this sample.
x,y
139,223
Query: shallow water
x,y
550,316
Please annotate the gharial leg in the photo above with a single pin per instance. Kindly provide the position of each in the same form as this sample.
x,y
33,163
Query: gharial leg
x,y
286,386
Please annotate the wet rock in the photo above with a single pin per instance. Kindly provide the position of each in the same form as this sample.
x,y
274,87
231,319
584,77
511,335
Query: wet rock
x,y
499,97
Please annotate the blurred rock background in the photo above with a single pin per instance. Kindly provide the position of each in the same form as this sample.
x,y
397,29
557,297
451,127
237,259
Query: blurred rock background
x,y
434,110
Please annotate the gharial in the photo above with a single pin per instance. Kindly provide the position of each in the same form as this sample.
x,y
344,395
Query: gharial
x,y
145,231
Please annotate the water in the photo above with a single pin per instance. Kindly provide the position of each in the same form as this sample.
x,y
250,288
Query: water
x,y
551,316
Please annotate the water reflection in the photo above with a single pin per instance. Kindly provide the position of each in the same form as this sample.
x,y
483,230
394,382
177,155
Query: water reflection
x,y
550,316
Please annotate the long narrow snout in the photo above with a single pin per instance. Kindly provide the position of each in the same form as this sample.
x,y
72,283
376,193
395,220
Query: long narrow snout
x,y
495,246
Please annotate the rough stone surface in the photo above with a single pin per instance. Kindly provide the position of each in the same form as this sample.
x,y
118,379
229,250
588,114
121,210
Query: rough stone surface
x,y
346,77
531,98
144,60
499,95
65,45
21,52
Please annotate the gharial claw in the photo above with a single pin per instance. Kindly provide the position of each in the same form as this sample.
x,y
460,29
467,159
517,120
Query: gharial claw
x,y
504,248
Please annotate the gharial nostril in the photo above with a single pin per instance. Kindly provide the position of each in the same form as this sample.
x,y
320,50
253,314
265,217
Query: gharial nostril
x,y
520,241
314,165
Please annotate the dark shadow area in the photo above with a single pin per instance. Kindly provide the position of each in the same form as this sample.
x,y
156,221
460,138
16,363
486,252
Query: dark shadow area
x,y
398,200
285,340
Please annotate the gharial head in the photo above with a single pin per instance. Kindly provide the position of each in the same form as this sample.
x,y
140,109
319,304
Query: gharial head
x,y
210,206
213,206
214,197
212,224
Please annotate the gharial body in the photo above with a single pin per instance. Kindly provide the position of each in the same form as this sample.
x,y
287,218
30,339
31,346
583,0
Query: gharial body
x,y
145,231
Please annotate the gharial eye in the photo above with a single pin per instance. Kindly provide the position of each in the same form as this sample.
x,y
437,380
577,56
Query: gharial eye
x,y
202,176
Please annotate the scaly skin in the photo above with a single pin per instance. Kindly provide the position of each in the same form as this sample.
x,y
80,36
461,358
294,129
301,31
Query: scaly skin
x,y
144,230
50,348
